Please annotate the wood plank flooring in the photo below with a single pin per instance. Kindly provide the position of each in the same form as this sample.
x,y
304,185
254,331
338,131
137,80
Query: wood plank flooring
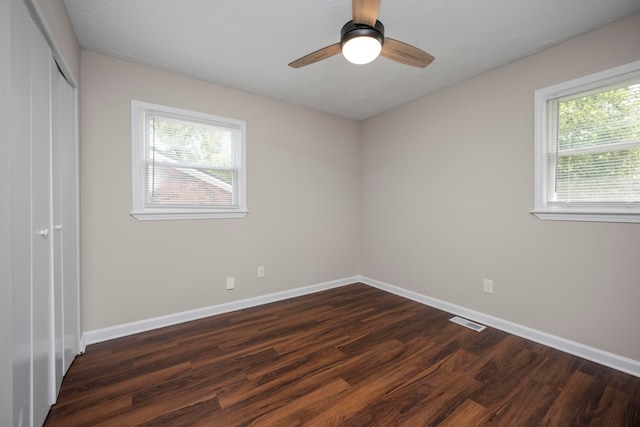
x,y
351,356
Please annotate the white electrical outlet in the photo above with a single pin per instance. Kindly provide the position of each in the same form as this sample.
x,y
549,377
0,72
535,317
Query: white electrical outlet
x,y
231,282
488,286
261,271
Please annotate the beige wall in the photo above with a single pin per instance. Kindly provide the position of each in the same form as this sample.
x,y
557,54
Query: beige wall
x,y
303,197
433,197
447,186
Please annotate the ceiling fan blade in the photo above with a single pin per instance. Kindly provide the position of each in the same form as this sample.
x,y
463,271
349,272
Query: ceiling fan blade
x,y
365,11
405,53
318,55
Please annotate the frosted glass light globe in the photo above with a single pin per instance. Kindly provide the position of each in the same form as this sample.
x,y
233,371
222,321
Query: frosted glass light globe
x,y
361,50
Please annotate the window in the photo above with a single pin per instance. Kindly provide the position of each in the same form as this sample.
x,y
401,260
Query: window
x,y
587,148
186,165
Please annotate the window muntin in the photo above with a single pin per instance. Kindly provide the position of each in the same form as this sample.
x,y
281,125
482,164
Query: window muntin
x,y
186,164
588,148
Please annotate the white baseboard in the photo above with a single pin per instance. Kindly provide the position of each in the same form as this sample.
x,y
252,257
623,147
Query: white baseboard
x,y
118,331
602,357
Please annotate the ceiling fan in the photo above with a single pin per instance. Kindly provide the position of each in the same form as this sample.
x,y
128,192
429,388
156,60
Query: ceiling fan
x,y
362,40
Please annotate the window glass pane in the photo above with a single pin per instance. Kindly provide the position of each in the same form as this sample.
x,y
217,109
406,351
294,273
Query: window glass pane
x,y
612,176
177,186
609,116
189,142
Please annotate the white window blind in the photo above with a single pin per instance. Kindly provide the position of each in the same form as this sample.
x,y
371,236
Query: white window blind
x,y
595,145
189,164
186,163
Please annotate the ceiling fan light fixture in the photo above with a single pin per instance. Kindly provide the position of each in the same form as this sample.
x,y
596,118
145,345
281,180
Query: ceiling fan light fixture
x,y
361,43
367,30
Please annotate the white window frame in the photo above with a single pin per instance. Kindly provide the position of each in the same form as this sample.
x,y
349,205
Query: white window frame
x,y
543,208
143,212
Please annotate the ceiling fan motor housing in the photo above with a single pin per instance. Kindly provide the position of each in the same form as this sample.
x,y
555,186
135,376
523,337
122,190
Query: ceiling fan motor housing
x,y
352,30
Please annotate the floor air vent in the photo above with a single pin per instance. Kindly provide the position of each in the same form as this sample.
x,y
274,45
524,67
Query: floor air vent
x,y
468,323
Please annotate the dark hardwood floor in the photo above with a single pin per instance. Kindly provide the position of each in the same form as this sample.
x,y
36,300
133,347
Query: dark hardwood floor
x,y
351,356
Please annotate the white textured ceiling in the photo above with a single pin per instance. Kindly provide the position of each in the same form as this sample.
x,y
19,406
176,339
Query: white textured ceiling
x,y
247,44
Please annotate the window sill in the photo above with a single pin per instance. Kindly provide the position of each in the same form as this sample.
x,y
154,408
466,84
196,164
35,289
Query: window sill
x,y
170,216
588,215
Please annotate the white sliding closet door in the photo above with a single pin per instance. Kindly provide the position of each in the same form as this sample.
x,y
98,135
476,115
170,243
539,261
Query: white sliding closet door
x,y
20,200
64,223
57,139
42,236
6,254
